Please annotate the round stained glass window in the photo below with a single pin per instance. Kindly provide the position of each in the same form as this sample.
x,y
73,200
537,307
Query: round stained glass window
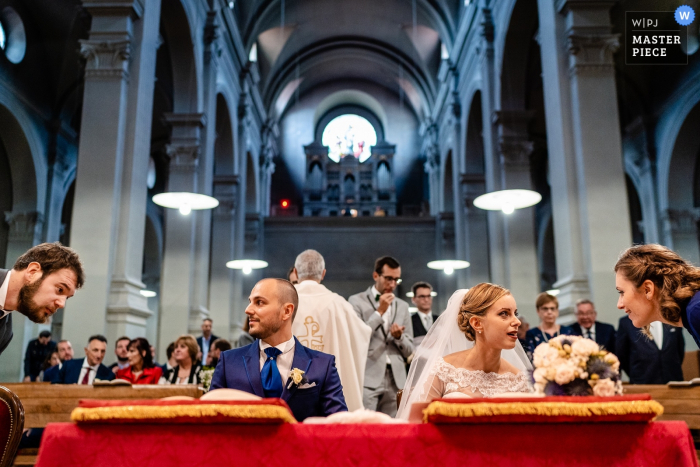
x,y
349,135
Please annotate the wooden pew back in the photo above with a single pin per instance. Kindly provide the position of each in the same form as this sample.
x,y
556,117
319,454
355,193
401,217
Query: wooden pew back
x,y
680,403
46,403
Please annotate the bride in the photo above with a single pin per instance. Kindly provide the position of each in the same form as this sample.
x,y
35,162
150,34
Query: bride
x,y
472,350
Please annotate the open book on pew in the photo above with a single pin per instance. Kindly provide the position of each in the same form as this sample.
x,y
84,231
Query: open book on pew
x,y
679,384
114,382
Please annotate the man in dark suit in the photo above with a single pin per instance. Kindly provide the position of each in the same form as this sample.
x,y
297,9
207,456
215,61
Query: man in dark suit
x,y
65,353
205,340
587,326
265,366
85,370
424,318
650,361
38,285
37,351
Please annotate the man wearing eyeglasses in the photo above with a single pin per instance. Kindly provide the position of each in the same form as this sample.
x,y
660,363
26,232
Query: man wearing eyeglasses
x,y
391,342
423,319
587,326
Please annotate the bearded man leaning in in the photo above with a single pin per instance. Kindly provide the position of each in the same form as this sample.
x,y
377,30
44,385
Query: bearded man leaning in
x,y
264,367
38,285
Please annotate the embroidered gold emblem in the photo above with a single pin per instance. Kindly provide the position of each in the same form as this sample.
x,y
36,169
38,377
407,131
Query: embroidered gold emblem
x,y
312,339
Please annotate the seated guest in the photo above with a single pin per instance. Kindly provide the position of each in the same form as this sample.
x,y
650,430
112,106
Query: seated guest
x,y
218,346
522,333
655,360
245,338
85,370
121,348
264,367
171,363
548,312
141,369
51,361
65,352
587,326
187,369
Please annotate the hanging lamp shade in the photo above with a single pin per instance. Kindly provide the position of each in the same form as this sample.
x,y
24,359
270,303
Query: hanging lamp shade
x,y
246,265
507,200
185,202
448,266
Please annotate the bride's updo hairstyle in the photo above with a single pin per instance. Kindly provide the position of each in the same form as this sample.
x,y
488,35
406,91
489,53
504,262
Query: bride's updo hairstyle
x,y
475,303
676,279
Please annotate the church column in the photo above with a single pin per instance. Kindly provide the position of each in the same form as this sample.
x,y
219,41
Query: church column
x,y
267,166
431,166
589,198
497,244
199,304
222,301
475,230
108,222
179,260
515,150
25,232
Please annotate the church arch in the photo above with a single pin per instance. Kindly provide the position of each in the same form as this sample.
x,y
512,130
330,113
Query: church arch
x,y
251,186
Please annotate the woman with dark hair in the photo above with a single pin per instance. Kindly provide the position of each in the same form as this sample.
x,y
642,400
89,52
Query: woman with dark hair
x,y
50,361
141,369
188,367
655,284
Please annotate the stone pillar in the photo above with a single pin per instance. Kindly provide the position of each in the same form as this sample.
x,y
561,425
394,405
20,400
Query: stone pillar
x,y
179,260
515,150
221,299
681,225
108,222
431,152
25,232
475,230
589,198
497,244
267,166
199,307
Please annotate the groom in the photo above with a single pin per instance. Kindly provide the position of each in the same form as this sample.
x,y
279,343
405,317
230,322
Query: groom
x,y
263,367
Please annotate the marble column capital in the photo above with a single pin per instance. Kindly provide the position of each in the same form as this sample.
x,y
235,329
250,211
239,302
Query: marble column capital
x,y
226,191
106,59
682,221
515,152
591,52
23,225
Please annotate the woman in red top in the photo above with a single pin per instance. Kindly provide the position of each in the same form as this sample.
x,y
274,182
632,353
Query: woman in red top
x,y
141,369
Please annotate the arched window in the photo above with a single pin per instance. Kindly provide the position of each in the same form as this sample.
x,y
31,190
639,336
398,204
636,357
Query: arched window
x,y
349,135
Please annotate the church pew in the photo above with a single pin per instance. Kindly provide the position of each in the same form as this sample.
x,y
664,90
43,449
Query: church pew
x,y
680,403
46,403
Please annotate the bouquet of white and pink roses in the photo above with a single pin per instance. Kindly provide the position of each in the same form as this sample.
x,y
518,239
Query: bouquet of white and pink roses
x,y
575,366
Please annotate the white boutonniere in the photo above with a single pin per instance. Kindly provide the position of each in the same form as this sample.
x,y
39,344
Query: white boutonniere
x,y
296,377
205,375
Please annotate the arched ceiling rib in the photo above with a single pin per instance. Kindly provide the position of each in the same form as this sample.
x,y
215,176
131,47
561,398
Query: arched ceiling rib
x,y
307,42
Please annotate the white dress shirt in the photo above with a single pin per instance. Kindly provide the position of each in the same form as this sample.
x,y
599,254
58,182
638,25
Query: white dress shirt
x,y
206,343
426,319
584,331
657,331
284,360
93,372
3,295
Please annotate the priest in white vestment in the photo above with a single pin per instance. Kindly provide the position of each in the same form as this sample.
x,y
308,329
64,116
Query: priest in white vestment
x,y
326,322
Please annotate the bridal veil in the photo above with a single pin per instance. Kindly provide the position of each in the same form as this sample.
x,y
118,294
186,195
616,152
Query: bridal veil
x,y
445,338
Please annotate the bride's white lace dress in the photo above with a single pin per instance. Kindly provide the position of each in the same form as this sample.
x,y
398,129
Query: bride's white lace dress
x,y
446,380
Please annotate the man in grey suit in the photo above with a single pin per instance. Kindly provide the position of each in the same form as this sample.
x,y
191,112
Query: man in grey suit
x,y
38,285
391,342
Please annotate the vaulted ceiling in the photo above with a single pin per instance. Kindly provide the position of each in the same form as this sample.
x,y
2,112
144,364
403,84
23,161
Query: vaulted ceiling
x,y
304,44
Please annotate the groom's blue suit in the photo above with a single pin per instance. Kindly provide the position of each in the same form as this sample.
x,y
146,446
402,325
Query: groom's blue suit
x,y
240,369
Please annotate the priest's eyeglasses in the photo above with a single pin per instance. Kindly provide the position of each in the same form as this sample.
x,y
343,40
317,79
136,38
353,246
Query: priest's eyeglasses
x,y
398,280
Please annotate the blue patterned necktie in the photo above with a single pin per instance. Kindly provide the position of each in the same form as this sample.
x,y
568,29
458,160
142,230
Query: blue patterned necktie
x,y
270,374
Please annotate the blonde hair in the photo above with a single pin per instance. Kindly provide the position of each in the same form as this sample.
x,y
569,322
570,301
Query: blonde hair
x,y
676,279
191,344
475,303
